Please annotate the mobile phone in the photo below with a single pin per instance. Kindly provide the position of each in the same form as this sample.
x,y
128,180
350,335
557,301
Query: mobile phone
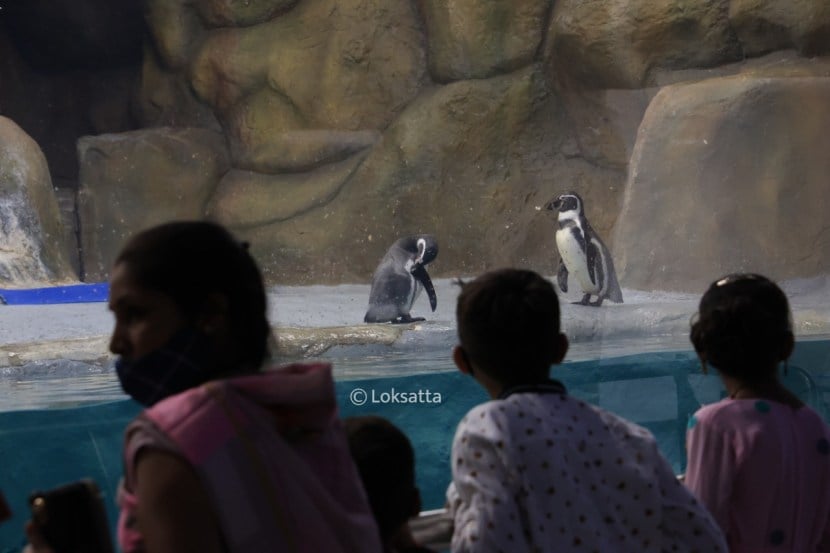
x,y
72,518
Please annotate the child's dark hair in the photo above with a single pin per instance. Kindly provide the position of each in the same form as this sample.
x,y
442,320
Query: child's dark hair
x,y
190,260
743,326
386,462
508,322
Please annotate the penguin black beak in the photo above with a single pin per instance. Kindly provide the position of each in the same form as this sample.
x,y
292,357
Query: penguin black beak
x,y
553,205
419,271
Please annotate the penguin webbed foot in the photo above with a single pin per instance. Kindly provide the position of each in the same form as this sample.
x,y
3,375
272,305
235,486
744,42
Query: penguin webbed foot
x,y
404,319
584,301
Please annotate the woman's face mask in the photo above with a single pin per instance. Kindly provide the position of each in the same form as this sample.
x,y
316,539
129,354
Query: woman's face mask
x,y
184,362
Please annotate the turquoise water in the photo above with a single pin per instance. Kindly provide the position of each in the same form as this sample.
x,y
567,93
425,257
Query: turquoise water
x,y
46,447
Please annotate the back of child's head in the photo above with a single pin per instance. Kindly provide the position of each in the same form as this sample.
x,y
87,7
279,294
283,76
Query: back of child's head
x,y
508,324
188,261
386,463
743,326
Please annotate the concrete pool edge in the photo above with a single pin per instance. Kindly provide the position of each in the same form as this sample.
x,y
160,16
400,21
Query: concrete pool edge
x,y
292,342
307,342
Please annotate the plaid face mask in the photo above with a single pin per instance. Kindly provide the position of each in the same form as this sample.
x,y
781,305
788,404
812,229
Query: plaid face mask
x,y
182,363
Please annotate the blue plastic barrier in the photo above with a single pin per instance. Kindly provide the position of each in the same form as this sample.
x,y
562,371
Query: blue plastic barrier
x,y
73,293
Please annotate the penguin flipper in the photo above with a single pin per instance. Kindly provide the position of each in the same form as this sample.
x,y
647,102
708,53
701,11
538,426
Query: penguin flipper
x,y
594,262
562,276
612,289
614,292
420,273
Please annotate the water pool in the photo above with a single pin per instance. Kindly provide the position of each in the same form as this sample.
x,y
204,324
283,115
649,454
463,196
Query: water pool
x,y
41,448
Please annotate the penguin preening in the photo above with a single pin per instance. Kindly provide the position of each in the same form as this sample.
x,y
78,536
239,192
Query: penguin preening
x,y
399,278
582,253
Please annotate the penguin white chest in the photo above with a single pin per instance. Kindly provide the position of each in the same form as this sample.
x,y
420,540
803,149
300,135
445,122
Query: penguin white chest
x,y
575,258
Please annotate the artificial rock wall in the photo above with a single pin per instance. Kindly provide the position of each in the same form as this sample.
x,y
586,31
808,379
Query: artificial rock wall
x,y
322,130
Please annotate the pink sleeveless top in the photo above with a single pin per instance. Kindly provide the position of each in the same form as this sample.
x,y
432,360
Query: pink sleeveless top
x,y
762,469
271,451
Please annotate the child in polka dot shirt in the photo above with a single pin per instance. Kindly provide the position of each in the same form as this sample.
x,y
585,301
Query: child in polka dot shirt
x,y
759,459
536,470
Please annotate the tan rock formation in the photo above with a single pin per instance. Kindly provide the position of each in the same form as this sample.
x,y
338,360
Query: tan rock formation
x,y
728,174
300,150
346,64
133,180
247,198
341,125
605,122
766,25
472,162
176,30
34,246
167,100
225,13
339,144
470,39
617,43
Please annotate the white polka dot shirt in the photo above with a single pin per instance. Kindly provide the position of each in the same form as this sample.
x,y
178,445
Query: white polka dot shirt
x,y
545,472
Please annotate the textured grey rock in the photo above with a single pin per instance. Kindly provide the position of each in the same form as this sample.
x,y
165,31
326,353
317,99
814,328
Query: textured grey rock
x,y
34,246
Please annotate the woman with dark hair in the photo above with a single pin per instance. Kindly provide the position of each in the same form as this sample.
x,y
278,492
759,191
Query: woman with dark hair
x,y
226,457
210,302
759,459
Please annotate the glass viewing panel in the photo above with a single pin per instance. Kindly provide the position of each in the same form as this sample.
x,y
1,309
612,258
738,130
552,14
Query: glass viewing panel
x,y
679,149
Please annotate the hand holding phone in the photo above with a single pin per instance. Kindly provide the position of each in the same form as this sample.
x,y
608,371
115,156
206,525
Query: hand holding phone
x,y
37,544
71,518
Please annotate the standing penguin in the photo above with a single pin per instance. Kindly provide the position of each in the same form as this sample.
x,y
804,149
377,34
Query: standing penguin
x,y
582,253
399,278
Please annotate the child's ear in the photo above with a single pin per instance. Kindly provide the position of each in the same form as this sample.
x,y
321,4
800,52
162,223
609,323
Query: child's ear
x,y
459,357
561,348
788,346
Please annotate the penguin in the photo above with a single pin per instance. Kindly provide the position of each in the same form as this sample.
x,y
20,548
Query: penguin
x,y
399,278
582,253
